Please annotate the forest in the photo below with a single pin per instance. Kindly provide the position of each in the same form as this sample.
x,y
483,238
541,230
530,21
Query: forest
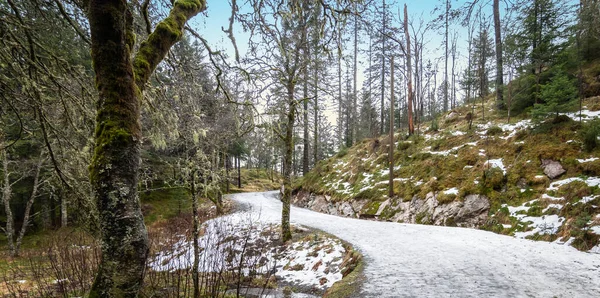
x,y
129,128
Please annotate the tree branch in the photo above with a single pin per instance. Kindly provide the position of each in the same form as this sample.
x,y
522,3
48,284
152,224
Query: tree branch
x,y
165,35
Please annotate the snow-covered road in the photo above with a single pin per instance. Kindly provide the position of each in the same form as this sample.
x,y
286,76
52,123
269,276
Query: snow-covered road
x,y
405,260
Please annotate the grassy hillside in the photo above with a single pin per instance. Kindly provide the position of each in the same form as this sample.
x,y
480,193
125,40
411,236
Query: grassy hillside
x,y
497,159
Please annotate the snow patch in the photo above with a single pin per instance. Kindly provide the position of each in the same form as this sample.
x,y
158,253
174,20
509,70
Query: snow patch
x,y
586,115
545,225
496,163
587,199
452,191
587,160
590,181
240,240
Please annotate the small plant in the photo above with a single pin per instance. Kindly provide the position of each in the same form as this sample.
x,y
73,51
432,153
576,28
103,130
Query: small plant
x,y
444,198
434,125
556,94
589,134
494,130
423,218
493,178
342,153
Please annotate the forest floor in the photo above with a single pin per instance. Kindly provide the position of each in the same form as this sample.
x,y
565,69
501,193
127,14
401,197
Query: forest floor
x,y
433,261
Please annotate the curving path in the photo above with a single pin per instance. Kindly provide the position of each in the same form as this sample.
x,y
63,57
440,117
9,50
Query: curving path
x,y
405,260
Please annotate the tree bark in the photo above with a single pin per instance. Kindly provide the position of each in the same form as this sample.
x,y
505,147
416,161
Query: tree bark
x,y
499,62
64,214
9,229
340,121
383,71
391,152
411,125
34,192
316,108
195,235
446,57
354,72
116,160
286,233
306,141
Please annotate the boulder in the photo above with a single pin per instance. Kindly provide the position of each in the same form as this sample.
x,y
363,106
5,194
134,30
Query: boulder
x,y
345,209
552,168
474,207
452,116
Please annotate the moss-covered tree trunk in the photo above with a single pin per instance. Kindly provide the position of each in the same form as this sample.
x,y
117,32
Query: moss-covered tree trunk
x,y
116,160
286,233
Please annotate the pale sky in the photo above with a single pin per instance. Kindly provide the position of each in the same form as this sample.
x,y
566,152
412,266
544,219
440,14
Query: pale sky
x,y
218,12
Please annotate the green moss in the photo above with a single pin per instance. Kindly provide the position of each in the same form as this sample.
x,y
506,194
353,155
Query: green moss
x,y
494,130
349,285
444,198
371,208
574,191
423,218
493,178
369,194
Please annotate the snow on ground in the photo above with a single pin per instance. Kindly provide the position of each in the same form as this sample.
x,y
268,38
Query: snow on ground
x,y
496,163
587,199
242,240
587,160
310,263
483,128
432,261
340,186
590,181
429,137
451,191
543,225
586,115
514,128
549,223
449,151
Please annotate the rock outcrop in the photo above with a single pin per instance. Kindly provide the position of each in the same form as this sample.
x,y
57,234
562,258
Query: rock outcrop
x,y
471,211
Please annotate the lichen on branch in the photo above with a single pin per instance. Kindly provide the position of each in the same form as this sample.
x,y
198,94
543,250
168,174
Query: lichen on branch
x,y
166,34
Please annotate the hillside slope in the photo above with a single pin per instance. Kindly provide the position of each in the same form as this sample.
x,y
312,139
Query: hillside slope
x,y
527,179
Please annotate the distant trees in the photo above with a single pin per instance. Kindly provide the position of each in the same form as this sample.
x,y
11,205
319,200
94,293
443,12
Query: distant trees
x,y
47,103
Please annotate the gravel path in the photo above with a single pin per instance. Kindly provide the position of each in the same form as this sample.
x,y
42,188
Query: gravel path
x,y
405,260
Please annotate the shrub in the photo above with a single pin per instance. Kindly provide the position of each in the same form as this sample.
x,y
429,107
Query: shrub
x,y
342,153
589,134
556,94
493,178
434,125
444,198
494,130
403,146
574,191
